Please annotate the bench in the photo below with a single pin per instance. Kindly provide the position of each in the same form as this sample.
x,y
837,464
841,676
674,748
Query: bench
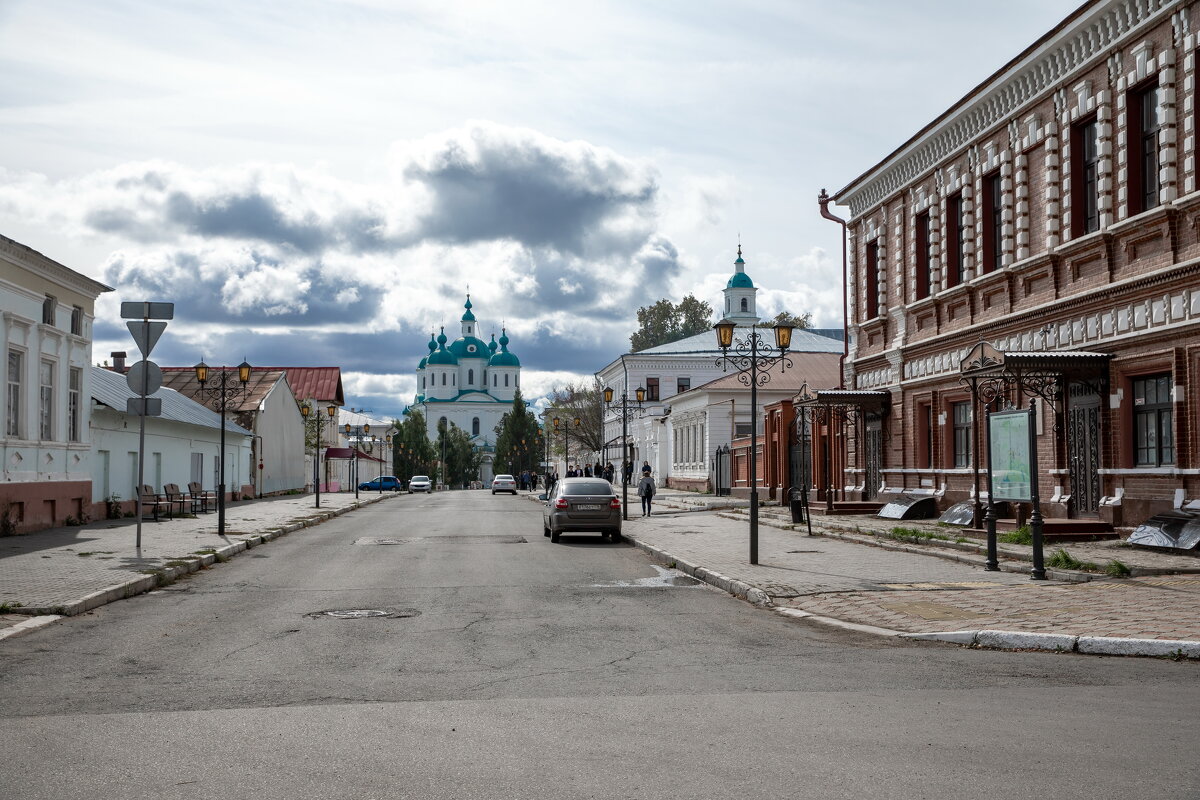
x,y
200,497
176,498
152,503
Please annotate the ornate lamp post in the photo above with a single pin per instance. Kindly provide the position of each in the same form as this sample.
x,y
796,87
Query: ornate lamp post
x,y
357,431
221,392
753,370
566,429
640,393
310,409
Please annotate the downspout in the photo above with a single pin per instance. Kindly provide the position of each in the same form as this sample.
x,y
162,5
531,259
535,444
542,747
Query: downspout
x,y
823,201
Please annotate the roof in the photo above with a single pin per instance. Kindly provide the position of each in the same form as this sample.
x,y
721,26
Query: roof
x,y
61,274
984,360
461,348
813,369
262,381
323,384
740,280
803,341
111,389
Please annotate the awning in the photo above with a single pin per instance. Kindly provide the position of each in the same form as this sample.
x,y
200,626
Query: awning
x,y
347,453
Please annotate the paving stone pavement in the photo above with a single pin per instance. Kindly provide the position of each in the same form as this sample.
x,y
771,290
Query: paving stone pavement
x,y
912,592
69,570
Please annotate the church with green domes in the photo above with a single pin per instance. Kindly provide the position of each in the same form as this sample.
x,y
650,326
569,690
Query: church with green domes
x,y
469,382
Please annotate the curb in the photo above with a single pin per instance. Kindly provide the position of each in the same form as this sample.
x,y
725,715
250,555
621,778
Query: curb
x,y
166,575
986,639
31,624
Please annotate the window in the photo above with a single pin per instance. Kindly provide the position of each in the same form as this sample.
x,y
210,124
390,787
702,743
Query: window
x,y
1145,120
73,405
1154,441
77,320
197,472
924,436
741,429
494,379
470,377
745,304
12,425
962,434
443,379
422,381
683,384
871,286
48,307
46,400
1085,178
506,379
652,389
924,256
954,241
475,426
992,257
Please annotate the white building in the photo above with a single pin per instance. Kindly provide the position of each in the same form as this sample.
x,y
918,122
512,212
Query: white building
x,y
182,445
46,315
470,383
675,368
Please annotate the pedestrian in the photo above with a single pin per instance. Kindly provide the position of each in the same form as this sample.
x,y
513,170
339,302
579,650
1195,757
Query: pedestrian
x,y
587,470
645,467
533,476
598,470
645,491
628,470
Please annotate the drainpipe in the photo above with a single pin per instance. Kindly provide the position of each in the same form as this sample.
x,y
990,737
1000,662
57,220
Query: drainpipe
x,y
823,201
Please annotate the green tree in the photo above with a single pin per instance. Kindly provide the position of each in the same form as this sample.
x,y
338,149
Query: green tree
x,y
665,322
798,322
460,464
412,452
518,439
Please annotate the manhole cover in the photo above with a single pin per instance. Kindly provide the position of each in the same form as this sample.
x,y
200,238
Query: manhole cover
x,y
363,613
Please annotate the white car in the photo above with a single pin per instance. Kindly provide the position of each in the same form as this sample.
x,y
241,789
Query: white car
x,y
504,483
419,483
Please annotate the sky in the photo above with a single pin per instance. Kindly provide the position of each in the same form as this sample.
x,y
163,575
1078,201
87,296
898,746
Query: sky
x,y
321,183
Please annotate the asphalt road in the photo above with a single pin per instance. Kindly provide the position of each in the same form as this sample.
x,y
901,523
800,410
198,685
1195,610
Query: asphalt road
x,y
512,667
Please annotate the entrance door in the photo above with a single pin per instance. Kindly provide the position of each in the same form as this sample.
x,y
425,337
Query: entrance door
x,y
800,454
873,447
1083,449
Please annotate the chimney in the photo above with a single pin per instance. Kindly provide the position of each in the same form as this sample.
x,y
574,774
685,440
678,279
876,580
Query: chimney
x,y
118,359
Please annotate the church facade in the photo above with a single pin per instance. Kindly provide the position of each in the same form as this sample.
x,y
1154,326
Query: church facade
x,y
468,382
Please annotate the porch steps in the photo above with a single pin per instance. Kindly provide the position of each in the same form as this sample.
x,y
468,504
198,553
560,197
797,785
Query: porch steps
x,y
1059,530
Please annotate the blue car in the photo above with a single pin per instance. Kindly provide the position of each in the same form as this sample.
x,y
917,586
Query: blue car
x,y
390,483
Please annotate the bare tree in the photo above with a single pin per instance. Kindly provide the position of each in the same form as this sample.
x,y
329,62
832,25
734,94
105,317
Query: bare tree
x,y
582,402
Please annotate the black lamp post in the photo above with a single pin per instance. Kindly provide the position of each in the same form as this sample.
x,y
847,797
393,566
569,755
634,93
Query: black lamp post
x,y
566,429
221,392
753,371
306,410
640,393
357,431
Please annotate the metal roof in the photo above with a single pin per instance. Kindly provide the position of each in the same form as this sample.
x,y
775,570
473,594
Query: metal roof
x,y
323,384
803,341
111,389
262,381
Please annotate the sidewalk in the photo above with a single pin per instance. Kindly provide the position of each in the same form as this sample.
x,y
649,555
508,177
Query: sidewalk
x,y
67,571
848,574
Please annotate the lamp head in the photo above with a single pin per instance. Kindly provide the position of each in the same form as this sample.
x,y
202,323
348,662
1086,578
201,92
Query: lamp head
x,y
305,410
244,371
640,393
332,411
783,335
202,372
724,330
366,428
608,394
556,423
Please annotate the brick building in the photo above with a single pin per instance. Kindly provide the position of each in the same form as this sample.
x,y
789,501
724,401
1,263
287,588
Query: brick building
x,y
1039,241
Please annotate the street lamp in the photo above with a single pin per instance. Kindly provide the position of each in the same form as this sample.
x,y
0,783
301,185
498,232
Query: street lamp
x,y
358,431
626,457
310,409
221,393
753,371
566,429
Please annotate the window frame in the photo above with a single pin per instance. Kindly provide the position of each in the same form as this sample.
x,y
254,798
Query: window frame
x,y
954,239
46,400
74,393
49,309
1155,413
961,439
924,254
652,390
13,383
1142,139
1085,177
871,284
683,384
991,255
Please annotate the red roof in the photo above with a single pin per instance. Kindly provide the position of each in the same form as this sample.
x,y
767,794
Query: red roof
x,y
323,384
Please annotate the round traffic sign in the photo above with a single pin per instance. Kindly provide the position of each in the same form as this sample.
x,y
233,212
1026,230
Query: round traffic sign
x,y
144,378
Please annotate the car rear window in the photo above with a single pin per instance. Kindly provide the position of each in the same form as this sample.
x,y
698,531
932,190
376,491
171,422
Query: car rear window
x,y
589,487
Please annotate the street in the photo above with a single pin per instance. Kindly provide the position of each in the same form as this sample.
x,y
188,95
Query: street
x,y
501,665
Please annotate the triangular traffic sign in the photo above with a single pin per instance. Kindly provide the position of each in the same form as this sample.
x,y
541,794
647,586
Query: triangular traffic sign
x,y
145,334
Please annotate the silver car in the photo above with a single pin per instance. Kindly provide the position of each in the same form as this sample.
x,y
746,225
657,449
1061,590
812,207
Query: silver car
x,y
419,483
582,504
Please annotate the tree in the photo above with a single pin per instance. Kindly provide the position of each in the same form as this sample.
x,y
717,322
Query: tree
x,y
412,452
582,402
666,322
803,321
460,464
518,439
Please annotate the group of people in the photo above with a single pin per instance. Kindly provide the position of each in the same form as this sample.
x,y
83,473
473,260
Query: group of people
x,y
597,470
527,480
645,487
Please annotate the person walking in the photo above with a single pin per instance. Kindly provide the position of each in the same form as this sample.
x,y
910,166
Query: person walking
x,y
645,491
628,470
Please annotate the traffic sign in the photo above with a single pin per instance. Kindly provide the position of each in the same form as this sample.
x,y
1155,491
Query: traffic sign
x,y
144,310
145,334
143,406
148,372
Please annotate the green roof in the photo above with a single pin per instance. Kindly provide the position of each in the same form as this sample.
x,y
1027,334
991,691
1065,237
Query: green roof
x,y
740,280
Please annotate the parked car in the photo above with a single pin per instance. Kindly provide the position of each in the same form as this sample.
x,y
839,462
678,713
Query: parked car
x,y
504,483
420,483
582,504
390,483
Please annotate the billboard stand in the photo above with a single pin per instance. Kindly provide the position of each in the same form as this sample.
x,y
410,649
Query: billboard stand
x,y
1013,475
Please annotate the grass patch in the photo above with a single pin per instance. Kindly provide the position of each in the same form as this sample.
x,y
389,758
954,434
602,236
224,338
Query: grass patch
x,y
6,607
1117,569
176,562
913,535
1022,535
1061,559
962,540
204,551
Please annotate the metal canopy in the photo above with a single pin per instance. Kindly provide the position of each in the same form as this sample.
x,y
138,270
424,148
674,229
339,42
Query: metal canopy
x,y
991,373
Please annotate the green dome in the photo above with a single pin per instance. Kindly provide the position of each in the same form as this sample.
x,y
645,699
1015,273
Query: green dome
x,y
442,356
469,347
492,344
422,364
504,358
468,317
740,280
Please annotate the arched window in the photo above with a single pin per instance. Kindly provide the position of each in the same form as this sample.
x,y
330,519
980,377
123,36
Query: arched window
x,y
494,379
454,380
443,379
470,377
475,427
506,380
422,381
745,304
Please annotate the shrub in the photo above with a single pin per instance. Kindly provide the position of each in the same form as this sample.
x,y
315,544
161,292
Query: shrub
x,y
1022,535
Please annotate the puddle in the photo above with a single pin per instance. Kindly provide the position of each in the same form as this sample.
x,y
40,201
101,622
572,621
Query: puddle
x,y
665,578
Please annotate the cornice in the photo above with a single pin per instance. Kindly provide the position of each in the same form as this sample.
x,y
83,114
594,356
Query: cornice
x,y
1087,36
50,269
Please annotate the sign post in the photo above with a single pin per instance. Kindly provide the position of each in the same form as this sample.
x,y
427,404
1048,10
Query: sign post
x,y
144,378
1013,476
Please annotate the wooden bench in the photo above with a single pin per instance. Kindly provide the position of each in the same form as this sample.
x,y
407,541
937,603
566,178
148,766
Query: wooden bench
x,y
200,497
178,500
152,503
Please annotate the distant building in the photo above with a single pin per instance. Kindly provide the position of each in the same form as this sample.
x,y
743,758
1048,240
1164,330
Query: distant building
x,y
1038,243
46,316
470,383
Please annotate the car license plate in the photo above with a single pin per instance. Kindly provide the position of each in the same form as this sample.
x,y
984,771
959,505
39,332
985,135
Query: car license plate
x,y
589,506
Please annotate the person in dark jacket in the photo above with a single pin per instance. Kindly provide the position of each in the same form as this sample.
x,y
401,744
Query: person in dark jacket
x,y
645,491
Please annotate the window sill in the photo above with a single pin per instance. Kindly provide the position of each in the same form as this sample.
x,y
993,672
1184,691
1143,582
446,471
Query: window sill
x,y
1149,471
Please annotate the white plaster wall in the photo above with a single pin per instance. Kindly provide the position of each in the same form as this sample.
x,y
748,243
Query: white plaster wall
x,y
281,427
